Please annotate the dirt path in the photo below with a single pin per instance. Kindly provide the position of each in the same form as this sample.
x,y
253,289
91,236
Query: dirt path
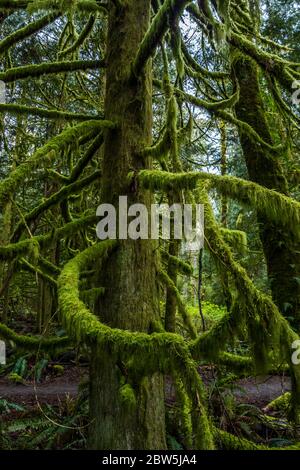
x,y
259,391
51,391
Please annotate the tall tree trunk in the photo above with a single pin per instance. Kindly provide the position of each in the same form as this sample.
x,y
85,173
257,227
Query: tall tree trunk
x,y
129,276
281,252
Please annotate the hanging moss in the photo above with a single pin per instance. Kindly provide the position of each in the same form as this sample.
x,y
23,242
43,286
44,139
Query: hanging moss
x,y
36,270
176,48
17,110
32,343
182,266
46,154
24,247
201,70
236,239
48,68
252,310
160,150
166,15
185,412
55,199
148,353
218,108
210,106
270,63
83,36
281,403
27,31
184,313
273,205
48,266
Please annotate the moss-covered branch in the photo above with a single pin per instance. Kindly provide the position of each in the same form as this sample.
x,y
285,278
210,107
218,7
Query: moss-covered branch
x,y
49,68
228,441
24,247
80,5
55,199
33,343
187,320
27,31
36,270
47,154
166,15
201,70
275,206
182,266
18,109
272,64
148,352
81,38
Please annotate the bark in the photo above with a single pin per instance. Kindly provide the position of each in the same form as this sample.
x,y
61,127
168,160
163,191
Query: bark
x,y
130,301
281,251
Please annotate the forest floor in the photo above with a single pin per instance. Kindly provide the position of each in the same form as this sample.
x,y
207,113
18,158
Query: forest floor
x,y
50,391
258,391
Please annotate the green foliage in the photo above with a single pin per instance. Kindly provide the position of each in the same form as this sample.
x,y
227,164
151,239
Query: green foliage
x,y
212,313
7,407
15,378
58,369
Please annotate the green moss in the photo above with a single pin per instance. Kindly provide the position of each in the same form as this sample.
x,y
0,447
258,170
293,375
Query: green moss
x,y
58,369
166,15
57,198
23,247
31,343
148,353
185,411
83,36
128,397
273,205
182,266
201,71
15,378
17,110
227,441
281,403
236,239
62,6
26,31
46,155
48,68
92,294
187,319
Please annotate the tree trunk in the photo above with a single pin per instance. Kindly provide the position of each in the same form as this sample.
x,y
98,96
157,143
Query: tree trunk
x,y
281,252
129,276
